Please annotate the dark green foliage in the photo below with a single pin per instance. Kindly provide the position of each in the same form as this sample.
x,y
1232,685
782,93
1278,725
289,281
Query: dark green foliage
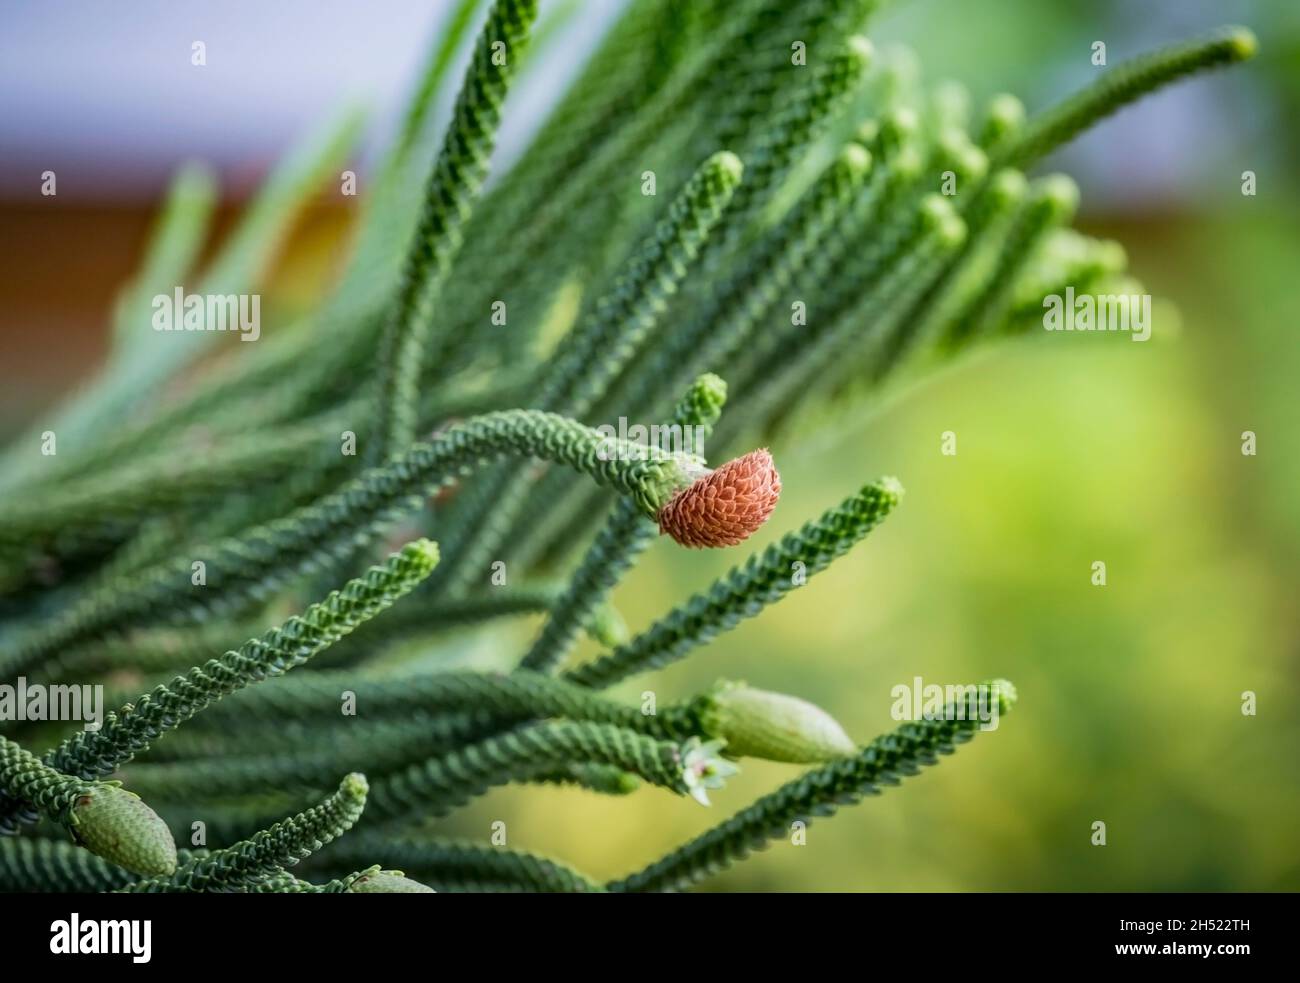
x,y
29,864
93,754
435,786
262,854
463,867
602,344
457,176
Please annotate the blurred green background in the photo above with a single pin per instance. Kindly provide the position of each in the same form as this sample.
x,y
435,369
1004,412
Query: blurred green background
x,y
1071,449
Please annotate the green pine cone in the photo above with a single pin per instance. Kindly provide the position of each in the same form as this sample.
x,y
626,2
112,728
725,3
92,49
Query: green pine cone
x,y
110,821
387,882
773,726
118,826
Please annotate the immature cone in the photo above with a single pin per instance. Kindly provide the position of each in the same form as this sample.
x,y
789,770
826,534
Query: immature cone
x,y
387,882
773,726
606,626
118,826
726,506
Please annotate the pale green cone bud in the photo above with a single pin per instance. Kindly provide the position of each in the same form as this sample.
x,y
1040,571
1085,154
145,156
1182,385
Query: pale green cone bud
x,y
774,726
387,882
606,626
117,825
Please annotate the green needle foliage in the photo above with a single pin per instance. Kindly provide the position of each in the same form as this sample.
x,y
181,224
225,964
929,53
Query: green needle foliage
x,y
609,338
750,721
746,590
457,176
253,563
127,732
602,344
885,761
29,863
448,865
739,192
435,786
1123,85
372,880
261,855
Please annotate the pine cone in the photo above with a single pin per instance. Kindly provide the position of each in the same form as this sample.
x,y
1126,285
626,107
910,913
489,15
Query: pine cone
x,y
726,506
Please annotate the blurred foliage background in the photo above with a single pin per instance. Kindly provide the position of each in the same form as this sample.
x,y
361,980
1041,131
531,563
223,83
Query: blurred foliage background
x,y
1071,449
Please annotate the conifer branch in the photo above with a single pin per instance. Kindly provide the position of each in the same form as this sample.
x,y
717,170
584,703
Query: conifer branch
x,y
1051,201
805,112
133,728
285,843
56,866
625,535
714,339
434,787
449,865
605,341
491,696
453,185
745,590
154,487
157,540
602,344
250,565
885,761
1122,85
